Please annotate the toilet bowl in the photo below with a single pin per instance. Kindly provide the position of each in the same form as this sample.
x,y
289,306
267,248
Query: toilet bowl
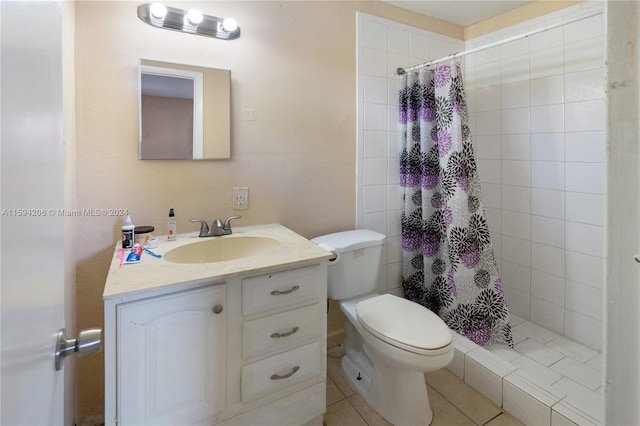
x,y
390,341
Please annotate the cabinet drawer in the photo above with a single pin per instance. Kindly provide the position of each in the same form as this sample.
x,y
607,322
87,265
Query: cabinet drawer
x,y
280,289
279,371
281,331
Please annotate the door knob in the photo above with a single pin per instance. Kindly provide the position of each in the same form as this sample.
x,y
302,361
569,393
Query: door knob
x,y
88,342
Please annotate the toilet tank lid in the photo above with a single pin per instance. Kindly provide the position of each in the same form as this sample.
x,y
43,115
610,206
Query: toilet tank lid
x,y
351,240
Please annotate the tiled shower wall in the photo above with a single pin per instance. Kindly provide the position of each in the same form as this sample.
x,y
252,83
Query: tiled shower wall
x,y
537,110
538,114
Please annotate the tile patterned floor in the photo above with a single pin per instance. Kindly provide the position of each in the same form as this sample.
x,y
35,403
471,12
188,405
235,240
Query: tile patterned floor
x,y
453,402
570,370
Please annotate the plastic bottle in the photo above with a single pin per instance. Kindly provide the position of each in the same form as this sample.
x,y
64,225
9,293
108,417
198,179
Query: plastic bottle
x,y
171,226
127,233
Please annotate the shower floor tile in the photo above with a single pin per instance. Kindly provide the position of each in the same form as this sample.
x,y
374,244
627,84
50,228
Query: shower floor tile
x,y
535,332
537,373
539,352
515,320
596,363
572,349
585,400
554,362
518,337
504,352
579,373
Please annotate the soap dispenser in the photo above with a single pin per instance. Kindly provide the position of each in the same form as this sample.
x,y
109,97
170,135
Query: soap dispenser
x,y
171,226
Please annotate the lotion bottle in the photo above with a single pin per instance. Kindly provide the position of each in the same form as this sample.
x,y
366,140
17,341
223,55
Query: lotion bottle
x,y
171,226
128,233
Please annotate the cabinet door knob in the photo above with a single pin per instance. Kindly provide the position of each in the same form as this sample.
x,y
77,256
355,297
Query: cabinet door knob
x,y
217,309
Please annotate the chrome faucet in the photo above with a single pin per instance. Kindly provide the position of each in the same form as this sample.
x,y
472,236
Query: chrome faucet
x,y
217,227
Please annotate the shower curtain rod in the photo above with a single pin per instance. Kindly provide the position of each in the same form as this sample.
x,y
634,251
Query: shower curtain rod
x,y
401,70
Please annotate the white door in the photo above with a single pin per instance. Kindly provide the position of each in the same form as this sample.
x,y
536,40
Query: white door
x,y
32,262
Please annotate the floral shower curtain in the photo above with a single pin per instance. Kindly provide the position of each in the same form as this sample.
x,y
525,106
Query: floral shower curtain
x,y
448,261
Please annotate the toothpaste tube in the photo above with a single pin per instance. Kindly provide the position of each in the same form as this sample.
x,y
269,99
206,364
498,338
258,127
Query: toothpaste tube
x,y
134,256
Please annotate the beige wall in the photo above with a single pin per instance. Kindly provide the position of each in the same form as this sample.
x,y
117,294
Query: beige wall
x,y
293,131
517,15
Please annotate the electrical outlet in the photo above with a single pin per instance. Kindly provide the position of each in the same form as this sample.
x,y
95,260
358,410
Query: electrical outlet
x,y
240,198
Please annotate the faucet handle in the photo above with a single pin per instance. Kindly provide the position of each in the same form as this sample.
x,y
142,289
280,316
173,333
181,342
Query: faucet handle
x,y
204,228
227,223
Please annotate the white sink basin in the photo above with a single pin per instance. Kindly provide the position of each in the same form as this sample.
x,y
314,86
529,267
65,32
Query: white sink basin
x,y
221,249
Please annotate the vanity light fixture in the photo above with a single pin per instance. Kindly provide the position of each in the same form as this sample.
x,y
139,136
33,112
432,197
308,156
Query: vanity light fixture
x,y
229,24
192,21
194,16
158,10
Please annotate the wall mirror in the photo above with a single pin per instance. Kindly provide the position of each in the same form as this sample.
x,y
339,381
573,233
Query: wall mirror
x,y
184,112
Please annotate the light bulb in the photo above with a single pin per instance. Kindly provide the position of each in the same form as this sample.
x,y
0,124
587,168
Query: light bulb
x,y
194,16
229,24
158,10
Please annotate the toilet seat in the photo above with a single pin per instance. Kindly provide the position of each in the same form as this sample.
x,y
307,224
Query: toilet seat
x,y
404,324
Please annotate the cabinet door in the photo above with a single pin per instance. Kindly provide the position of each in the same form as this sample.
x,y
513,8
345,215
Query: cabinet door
x,y
171,358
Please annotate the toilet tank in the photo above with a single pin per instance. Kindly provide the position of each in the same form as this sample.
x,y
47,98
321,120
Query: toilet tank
x,y
356,270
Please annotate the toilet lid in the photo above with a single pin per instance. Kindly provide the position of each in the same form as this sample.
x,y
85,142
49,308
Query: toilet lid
x,y
403,323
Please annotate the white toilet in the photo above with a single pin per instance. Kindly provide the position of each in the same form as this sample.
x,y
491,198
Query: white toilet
x,y
391,342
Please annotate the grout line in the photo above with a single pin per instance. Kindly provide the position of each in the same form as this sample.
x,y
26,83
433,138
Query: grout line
x,y
431,389
490,420
356,410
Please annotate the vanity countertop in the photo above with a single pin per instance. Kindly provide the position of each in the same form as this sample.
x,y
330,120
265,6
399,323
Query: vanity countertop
x,y
153,273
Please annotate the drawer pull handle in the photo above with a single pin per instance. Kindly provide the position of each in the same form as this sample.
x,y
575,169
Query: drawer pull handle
x,y
291,290
287,334
285,376
217,309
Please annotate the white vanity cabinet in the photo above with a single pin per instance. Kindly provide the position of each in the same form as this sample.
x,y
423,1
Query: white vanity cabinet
x,y
218,344
171,357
